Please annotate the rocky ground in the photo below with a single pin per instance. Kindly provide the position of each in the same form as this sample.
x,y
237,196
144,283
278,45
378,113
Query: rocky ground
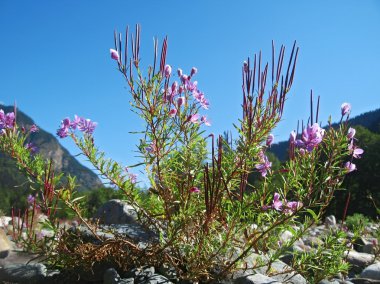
x,y
20,267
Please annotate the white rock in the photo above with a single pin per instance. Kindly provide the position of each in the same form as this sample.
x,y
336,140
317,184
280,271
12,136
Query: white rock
x,y
330,221
5,244
256,279
4,221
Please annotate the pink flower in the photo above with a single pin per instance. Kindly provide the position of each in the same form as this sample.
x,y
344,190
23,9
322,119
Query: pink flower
x,y
351,133
33,128
277,203
293,206
264,166
194,118
132,178
194,190
354,150
30,199
173,112
345,108
270,140
311,136
205,121
350,167
114,54
167,70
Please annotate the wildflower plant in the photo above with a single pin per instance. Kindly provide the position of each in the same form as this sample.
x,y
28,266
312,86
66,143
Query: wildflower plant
x,y
208,217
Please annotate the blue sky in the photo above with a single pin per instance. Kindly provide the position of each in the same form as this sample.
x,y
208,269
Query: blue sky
x,y
55,62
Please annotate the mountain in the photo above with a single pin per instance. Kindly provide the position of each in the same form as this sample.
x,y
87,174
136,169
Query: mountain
x,y
50,148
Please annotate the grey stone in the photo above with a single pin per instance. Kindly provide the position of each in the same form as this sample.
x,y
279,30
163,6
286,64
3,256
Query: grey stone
x,y
326,281
139,274
111,276
169,272
360,259
23,273
155,279
286,236
364,245
5,244
300,246
279,268
127,281
313,242
371,272
330,221
364,281
256,279
116,211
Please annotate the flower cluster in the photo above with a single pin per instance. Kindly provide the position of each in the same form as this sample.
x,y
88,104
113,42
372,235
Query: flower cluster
x,y
7,121
178,93
354,150
82,124
285,206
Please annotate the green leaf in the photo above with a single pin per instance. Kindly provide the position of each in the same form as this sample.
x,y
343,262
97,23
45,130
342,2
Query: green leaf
x,y
312,213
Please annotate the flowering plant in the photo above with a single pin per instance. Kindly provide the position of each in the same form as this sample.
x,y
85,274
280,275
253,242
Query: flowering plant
x,y
207,215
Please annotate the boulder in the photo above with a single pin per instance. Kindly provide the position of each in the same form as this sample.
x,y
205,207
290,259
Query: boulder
x,y
360,259
256,279
155,279
4,221
23,273
279,270
371,272
5,244
116,211
111,276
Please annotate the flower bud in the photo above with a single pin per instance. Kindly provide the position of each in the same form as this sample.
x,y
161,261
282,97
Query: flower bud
x,y
173,112
167,70
179,71
345,108
245,66
351,133
194,189
270,140
193,71
181,101
292,137
174,87
114,54
180,89
350,167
